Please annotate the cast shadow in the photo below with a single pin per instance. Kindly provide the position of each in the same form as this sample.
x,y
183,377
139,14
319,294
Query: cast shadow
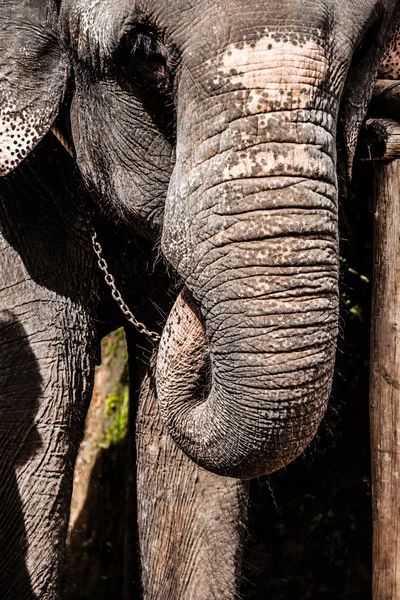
x,y
95,554
20,390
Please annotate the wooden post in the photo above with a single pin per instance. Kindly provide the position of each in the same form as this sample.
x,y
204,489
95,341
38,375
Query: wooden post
x,y
385,367
386,99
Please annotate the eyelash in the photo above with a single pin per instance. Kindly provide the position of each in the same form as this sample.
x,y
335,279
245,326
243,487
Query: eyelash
x,y
145,67
143,42
143,51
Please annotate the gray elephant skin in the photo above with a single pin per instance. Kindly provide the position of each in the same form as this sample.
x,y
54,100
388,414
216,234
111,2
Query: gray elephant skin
x,y
204,137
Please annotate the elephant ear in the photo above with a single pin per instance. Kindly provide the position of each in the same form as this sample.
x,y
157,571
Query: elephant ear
x,y
377,46
33,77
390,64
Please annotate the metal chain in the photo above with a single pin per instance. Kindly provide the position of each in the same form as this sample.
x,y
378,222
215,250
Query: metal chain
x,y
110,281
108,278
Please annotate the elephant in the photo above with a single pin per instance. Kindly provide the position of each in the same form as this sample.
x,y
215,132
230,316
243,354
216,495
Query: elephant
x,y
196,151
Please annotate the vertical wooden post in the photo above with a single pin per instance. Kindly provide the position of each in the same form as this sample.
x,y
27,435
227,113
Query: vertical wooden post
x,y
385,382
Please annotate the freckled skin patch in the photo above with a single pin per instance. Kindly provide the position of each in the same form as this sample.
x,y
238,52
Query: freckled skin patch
x,y
33,77
390,65
278,64
279,125
279,73
20,131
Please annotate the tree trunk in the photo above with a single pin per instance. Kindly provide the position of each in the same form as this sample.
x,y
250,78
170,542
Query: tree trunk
x,y
95,543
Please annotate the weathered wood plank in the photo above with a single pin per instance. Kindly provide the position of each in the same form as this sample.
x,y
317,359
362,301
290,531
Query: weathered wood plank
x,y
386,99
381,140
385,384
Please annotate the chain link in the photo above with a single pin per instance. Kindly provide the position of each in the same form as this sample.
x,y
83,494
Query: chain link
x,y
115,293
101,261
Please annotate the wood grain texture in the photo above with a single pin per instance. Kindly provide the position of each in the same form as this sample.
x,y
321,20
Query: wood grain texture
x,y
381,140
191,522
385,384
386,98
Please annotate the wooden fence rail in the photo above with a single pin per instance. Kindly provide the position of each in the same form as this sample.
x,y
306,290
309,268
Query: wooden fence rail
x,y
386,99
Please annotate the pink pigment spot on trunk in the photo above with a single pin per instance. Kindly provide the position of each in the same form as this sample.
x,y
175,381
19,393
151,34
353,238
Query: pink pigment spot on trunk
x,y
279,74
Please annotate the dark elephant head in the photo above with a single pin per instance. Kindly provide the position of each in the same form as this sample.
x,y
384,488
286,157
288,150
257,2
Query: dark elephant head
x,y
213,123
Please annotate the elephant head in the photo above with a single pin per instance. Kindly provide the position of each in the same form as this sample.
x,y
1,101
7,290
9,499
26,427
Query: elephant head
x,y
213,124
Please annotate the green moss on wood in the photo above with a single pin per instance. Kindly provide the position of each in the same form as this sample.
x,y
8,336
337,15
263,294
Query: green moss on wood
x,y
117,408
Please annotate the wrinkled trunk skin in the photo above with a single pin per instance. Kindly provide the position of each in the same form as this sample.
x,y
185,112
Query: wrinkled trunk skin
x,y
46,374
251,226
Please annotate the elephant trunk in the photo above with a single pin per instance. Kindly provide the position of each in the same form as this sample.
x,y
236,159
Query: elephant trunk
x,y
244,369
246,407
246,359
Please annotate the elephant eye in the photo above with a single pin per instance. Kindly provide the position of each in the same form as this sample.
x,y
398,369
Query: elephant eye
x,y
145,67
144,57
142,41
